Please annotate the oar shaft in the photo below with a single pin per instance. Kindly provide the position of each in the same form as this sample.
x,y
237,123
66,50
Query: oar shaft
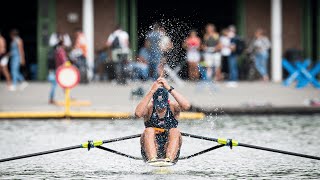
x,y
121,139
251,146
41,153
278,151
199,137
201,152
119,153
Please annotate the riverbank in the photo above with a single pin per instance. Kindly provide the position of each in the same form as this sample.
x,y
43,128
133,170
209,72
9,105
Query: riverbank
x,y
221,98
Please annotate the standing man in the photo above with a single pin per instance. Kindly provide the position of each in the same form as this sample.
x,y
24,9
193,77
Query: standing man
x,y
259,47
57,36
118,42
237,47
140,68
161,114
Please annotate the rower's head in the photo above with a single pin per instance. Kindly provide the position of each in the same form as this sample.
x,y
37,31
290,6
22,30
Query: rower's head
x,y
160,99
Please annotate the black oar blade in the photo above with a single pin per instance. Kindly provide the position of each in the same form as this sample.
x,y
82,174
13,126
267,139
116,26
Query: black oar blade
x,y
40,153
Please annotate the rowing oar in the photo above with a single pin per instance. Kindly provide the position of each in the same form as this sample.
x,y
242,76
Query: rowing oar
x,y
231,143
88,145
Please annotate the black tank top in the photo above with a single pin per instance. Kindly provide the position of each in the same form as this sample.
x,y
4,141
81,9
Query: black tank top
x,y
167,122
211,42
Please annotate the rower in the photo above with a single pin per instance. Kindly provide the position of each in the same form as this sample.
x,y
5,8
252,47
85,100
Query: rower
x,y
161,138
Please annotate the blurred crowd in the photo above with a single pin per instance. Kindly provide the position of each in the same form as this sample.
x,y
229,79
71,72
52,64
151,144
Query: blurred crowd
x,y
209,55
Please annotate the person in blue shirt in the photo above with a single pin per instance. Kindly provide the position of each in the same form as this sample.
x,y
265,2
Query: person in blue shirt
x,y
17,59
140,67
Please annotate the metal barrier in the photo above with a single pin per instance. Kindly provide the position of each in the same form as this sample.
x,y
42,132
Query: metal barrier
x,y
299,72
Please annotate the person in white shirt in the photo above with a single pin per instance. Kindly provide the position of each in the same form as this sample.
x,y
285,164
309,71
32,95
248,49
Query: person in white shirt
x,y
55,38
118,43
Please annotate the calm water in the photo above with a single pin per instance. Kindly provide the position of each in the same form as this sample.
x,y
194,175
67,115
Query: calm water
x,y
293,133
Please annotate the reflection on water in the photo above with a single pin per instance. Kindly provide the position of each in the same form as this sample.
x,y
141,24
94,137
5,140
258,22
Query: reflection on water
x,y
292,133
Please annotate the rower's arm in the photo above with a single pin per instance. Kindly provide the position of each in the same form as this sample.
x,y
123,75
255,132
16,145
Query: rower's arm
x,y
142,107
182,101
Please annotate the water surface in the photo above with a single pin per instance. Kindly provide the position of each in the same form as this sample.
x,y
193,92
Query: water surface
x,y
292,133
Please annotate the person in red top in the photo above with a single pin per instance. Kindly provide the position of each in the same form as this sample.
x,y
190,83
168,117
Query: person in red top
x,y
60,54
192,45
60,58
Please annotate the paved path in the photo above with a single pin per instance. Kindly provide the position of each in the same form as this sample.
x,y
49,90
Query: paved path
x,y
106,96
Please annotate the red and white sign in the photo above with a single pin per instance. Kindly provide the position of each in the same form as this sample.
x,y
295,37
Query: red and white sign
x,y
67,76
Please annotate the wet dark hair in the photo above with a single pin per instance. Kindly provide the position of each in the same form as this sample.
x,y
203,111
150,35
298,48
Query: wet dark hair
x,y
193,30
118,26
60,43
14,32
156,26
210,24
77,29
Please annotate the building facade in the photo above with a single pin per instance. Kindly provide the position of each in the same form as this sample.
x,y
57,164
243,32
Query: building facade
x,y
288,23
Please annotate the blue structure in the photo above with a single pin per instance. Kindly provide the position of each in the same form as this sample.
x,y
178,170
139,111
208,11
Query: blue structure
x,y
299,71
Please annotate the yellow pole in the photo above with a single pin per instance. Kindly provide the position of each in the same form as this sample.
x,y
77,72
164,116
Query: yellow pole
x,y
67,102
67,95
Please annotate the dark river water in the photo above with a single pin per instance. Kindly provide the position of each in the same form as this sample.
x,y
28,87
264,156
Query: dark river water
x,y
292,133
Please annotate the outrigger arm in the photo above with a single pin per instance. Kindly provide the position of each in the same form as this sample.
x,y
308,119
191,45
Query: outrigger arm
x,y
221,143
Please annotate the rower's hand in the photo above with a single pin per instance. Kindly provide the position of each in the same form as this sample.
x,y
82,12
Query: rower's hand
x,y
155,86
163,82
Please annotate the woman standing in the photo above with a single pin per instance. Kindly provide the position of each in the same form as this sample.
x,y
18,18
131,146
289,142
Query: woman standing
x,y
4,62
192,45
17,59
60,58
260,48
211,49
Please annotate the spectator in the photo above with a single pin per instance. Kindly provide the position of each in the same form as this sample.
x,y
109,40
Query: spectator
x,y
60,59
79,55
56,36
237,47
211,48
4,62
101,63
259,47
165,46
154,37
140,67
17,59
192,45
118,43
225,42
81,42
